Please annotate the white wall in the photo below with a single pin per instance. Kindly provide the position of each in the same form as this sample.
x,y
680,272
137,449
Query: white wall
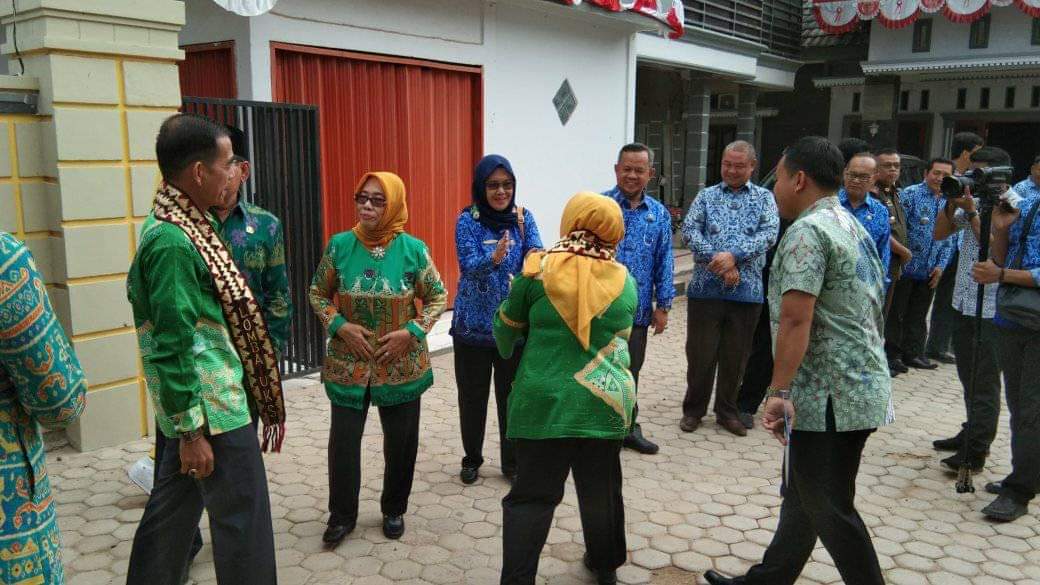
x,y
526,47
1009,33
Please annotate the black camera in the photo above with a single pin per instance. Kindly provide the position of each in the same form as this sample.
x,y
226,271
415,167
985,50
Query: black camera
x,y
985,183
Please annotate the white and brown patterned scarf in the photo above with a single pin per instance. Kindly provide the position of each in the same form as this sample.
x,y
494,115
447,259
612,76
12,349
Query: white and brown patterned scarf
x,y
243,314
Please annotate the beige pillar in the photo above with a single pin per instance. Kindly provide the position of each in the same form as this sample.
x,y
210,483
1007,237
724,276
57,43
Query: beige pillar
x,y
107,77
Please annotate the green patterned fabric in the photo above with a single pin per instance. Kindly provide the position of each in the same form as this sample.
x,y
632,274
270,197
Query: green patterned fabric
x,y
562,390
191,367
41,385
828,254
379,293
254,237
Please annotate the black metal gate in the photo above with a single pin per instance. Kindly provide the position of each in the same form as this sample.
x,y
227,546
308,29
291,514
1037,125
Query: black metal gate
x,y
285,180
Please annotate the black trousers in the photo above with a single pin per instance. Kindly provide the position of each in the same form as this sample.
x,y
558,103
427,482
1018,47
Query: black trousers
x,y
400,445
719,335
818,503
944,317
473,372
759,371
1019,351
907,324
983,410
527,511
637,355
235,496
160,449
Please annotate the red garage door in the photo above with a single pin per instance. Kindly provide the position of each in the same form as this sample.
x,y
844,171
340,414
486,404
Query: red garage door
x,y
208,70
419,119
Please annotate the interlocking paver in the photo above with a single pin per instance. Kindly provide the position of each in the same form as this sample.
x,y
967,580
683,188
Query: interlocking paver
x,y
707,500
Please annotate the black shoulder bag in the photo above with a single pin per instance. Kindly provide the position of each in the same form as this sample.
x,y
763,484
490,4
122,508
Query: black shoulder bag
x,y
1021,304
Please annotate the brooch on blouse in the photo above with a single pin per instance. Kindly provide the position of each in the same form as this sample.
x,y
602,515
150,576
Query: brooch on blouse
x,y
378,252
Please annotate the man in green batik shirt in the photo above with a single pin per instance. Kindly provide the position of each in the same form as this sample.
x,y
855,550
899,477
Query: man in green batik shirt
x,y
830,379
254,236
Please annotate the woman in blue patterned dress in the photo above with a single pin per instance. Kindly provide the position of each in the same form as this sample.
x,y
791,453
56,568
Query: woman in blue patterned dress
x,y
492,236
41,384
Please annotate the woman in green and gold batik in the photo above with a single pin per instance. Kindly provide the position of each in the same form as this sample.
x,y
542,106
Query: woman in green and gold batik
x,y
572,398
377,353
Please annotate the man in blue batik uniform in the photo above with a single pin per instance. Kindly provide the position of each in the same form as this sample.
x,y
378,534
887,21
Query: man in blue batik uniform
x,y
647,252
729,228
907,324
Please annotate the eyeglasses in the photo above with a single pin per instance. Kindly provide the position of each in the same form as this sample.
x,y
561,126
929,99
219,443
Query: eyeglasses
x,y
363,198
496,185
857,177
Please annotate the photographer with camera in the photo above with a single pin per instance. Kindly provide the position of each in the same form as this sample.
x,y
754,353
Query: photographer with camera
x,y
1015,264
981,400
907,324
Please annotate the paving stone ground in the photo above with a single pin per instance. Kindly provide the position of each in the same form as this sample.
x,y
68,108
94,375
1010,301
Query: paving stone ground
x,y
707,500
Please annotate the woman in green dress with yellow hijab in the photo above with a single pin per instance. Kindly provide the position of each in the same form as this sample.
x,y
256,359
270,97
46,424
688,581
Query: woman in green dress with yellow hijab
x,y
365,292
572,398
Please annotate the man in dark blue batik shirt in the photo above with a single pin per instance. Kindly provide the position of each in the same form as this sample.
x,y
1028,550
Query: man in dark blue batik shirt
x,y
647,252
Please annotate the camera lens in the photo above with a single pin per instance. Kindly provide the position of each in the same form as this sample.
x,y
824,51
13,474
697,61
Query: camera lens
x,y
952,187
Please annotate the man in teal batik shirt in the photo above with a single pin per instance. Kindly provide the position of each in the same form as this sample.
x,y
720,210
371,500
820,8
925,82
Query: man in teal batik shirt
x,y
830,377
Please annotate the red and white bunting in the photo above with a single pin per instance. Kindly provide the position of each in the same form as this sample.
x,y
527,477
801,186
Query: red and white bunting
x,y
841,16
965,10
669,13
1030,7
899,13
837,17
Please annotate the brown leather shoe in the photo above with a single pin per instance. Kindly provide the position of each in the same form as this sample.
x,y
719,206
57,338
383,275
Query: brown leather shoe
x,y
734,426
689,424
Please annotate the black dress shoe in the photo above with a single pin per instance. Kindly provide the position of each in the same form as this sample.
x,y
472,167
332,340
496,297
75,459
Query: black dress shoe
x,y
715,578
468,475
995,487
637,442
896,365
688,424
944,357
920,363
602,577
951,444
747,419
393,526
1005,509
954,462
335,533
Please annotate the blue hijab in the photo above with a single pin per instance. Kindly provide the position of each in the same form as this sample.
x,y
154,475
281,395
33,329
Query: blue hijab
x,y
482,212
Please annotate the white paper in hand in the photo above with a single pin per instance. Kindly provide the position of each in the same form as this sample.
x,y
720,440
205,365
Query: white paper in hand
x,y
142,473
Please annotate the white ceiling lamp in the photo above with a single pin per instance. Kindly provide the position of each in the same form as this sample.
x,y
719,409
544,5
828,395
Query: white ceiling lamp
x,y
246,7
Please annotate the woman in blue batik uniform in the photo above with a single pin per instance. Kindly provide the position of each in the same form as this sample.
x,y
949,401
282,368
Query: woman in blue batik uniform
x,y
492,236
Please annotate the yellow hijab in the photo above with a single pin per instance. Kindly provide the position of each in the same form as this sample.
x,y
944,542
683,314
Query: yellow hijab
x,y
581,278
394,216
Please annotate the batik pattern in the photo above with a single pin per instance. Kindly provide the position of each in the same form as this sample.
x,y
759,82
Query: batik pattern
x,y
254,237
922,207
483,285
244,316
380,294
743,222
41,383
646,251
827,253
